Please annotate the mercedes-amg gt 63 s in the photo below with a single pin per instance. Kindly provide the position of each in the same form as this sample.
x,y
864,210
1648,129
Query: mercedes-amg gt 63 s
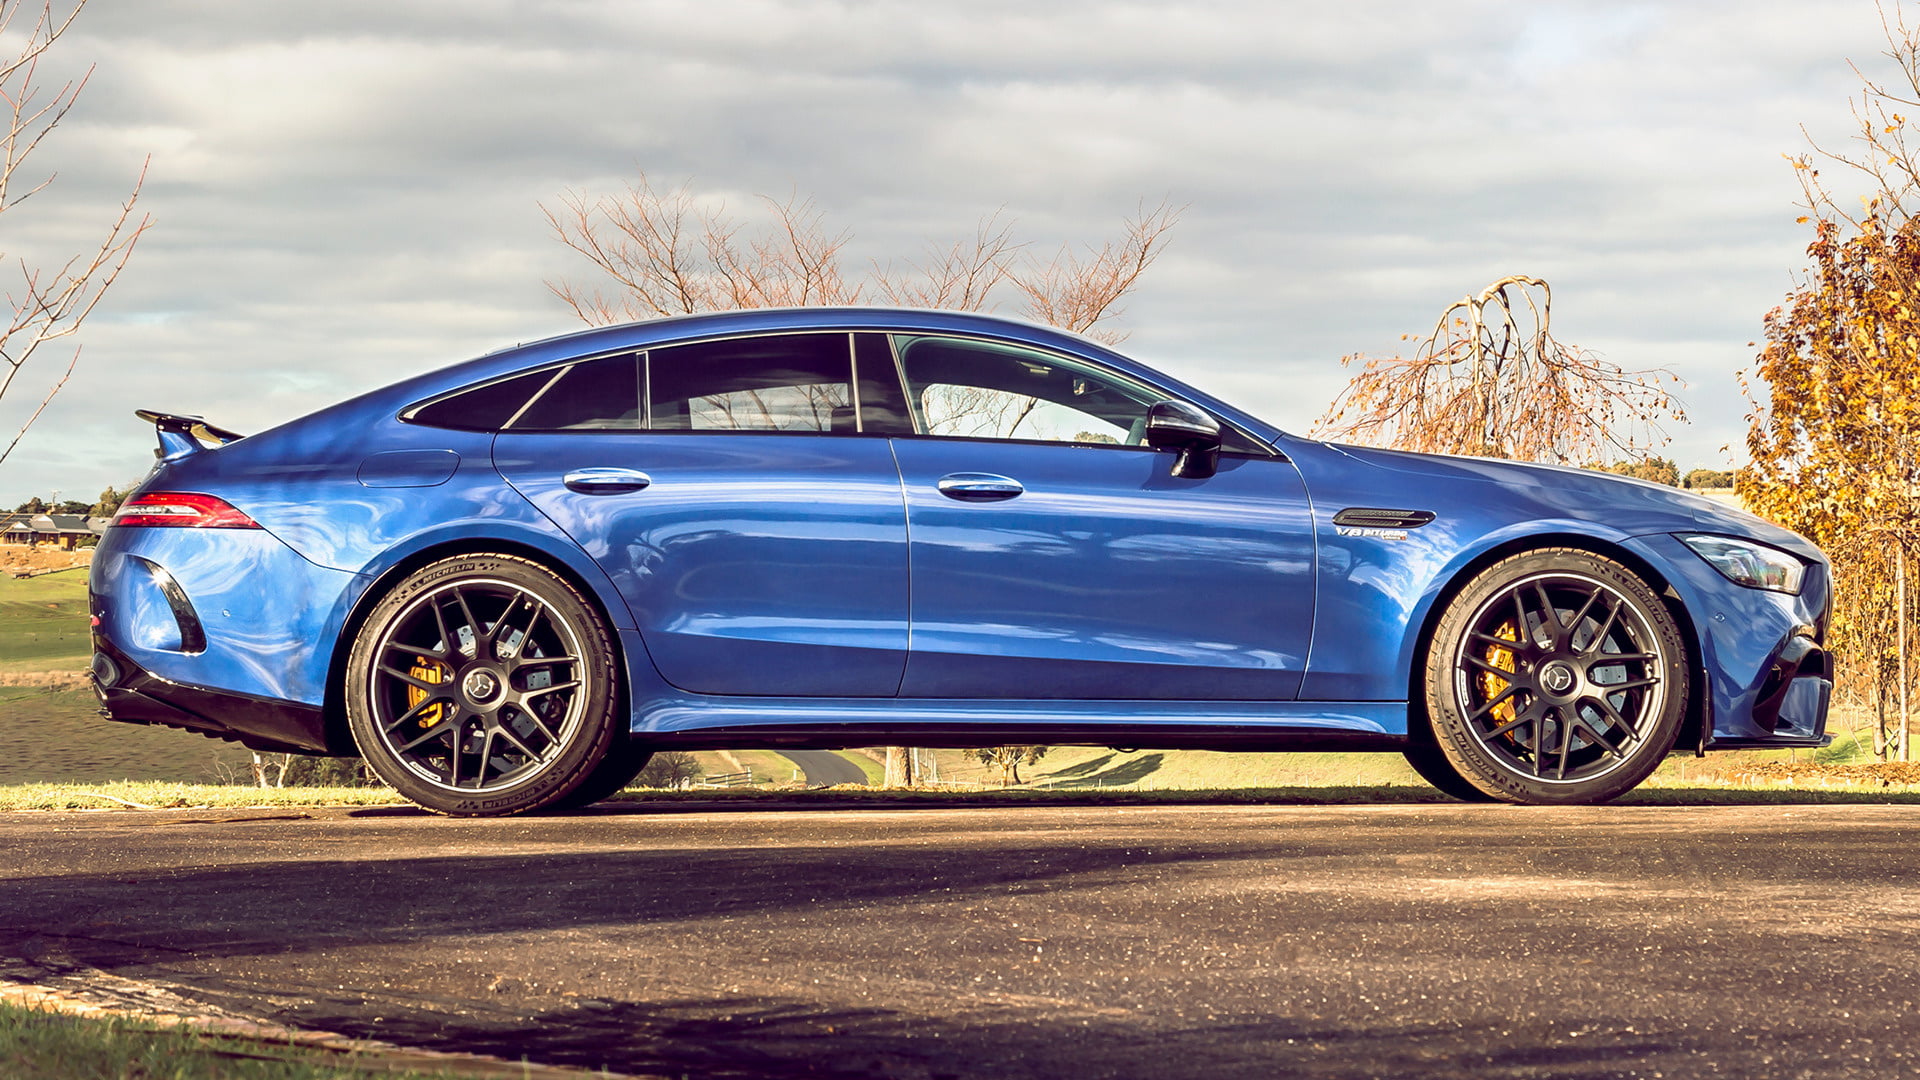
x,y
505,583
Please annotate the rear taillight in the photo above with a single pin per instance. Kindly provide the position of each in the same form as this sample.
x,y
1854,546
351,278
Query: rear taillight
x,y
181,510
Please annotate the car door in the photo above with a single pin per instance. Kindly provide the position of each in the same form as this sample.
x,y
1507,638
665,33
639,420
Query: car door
x,y
758,539
1054,556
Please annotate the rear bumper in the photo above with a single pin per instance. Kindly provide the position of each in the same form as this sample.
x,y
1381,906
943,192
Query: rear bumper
x,y
131,694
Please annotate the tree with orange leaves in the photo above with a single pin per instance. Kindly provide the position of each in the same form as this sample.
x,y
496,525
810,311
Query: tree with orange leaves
x,y
1835,429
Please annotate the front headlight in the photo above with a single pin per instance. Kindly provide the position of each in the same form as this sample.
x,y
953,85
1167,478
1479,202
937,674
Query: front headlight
x,y
1744,562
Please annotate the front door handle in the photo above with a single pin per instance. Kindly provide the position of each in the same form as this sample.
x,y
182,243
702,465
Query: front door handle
x,y
978,486
605,480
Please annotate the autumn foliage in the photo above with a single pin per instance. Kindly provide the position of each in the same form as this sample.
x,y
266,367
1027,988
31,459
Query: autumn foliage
x,y
1835,430
1836,440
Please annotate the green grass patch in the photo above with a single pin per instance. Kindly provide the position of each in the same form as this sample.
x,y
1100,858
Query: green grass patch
x,y
55,1046
59,735
875,771
43,623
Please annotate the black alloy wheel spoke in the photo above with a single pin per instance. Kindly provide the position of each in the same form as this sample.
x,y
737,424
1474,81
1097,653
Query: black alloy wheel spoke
x,y
411,679
1597,737
413,651
1599,639
1549,615
449,641
414,713
473,624
1495,640
507,733
459,729
1496,701
1580,617
486,756
1490,667
1519,720
1615,717
542,691
437,731
535,719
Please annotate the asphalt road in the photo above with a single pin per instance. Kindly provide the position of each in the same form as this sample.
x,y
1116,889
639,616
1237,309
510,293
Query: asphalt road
x,y
824,768
1401,941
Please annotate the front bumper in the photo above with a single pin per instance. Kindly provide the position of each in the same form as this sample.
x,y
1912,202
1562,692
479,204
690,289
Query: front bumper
x,y
1762,654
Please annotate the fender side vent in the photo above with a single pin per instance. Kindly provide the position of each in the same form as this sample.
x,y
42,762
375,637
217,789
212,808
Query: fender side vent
x,y
1368,517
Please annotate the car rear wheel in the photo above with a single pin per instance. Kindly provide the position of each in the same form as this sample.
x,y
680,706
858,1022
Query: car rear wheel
x,y
1556,676
483,685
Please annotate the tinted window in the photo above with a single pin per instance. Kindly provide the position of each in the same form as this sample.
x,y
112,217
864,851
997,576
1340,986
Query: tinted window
x,y
484,408
985,390
595,395
787,382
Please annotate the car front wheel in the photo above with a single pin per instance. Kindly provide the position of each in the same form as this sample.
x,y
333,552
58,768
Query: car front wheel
x,y
1556,676
483,685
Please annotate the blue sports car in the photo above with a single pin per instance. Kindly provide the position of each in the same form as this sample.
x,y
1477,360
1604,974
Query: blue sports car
x,y
505,583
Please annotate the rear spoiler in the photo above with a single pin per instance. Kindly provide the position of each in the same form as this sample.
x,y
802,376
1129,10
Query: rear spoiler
x,y
182,435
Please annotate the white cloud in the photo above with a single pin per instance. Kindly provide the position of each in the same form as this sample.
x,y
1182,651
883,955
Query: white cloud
x,y
345,193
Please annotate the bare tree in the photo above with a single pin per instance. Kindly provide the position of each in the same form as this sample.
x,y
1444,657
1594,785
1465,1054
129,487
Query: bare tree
x,y
671,252
47,303
1492,380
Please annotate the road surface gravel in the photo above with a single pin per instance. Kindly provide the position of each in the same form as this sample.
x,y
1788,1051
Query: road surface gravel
x,y
1014,941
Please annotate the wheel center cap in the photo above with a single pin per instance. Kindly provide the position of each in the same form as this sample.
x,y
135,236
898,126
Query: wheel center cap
x,y
1557,677
480,687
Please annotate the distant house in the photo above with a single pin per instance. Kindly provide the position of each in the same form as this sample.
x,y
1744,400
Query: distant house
x,y
65,531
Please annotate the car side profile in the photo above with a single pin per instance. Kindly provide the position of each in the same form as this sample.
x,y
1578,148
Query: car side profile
x,y
505,583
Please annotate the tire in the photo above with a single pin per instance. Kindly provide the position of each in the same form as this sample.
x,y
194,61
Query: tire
x,y
484,685
1555,677
623,762
1435,769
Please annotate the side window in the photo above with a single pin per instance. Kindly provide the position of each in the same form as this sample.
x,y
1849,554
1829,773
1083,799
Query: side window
x,y
781,382
985,390
483,408
594,395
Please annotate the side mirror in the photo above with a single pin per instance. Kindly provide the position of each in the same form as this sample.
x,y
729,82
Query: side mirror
x,y
1176,425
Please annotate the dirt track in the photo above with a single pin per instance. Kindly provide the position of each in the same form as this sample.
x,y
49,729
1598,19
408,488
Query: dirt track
x,y
1029,942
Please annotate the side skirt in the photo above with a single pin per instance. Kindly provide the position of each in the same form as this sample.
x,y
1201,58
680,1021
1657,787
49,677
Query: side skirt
x,y
696,722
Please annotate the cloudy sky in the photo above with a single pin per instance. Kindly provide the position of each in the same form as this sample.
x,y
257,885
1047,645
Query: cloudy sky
x,y
346,193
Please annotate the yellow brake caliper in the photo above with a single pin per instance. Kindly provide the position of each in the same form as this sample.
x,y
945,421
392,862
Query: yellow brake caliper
x,y
1492,685
429,671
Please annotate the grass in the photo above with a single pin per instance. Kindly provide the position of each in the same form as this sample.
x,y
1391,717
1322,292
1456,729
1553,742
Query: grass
x,y
169,795
59,735
55,1046
43,623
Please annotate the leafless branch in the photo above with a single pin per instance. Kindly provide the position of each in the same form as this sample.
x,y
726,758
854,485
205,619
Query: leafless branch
x,y
49,303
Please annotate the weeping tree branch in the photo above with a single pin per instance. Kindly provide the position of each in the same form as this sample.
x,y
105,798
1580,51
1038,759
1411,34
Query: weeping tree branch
x,y
1492,380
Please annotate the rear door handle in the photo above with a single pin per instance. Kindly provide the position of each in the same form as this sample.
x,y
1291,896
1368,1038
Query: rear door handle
x,y
605,480
978,486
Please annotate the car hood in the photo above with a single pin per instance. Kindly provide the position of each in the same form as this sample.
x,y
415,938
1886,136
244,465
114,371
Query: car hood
x,y
1625,505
